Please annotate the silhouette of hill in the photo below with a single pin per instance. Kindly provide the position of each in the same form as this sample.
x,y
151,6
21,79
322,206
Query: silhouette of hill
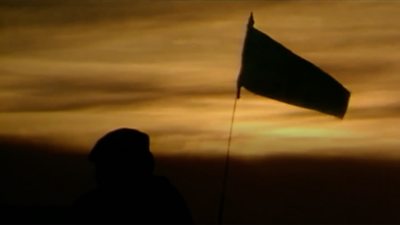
x,y
275,189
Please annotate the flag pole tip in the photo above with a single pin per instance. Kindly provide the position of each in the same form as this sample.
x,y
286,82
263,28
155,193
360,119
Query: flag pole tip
x,y
251,20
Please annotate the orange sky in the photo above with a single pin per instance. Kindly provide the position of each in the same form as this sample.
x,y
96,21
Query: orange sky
x,y
72,70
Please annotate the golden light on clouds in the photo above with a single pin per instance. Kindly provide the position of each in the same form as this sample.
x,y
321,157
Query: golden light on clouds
x,y
72,70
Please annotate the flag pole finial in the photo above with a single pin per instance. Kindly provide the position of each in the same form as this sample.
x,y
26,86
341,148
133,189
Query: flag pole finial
x,y
251,20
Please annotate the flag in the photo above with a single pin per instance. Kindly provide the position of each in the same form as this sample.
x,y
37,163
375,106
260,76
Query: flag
x,y
271,70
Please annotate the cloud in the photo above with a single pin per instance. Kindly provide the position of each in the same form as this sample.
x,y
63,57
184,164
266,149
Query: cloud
x,y
57,90
381,112
71,96
37,25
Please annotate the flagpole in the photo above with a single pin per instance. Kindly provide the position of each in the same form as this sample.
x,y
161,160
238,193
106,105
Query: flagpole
x,y
226,169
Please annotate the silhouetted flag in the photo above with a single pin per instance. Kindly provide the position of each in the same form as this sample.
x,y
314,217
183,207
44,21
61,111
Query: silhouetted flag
x,y
271,70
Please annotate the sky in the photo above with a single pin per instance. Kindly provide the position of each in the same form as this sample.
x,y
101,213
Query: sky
x,y
70,71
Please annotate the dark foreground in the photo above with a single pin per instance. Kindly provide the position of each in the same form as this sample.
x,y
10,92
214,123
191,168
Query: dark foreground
x,y
40,186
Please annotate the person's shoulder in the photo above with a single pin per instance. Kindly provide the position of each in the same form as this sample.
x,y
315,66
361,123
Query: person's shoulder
x,y
163,185
162,182
174,205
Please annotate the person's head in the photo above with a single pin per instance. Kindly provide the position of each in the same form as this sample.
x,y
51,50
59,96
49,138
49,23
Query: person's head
x,y
122,155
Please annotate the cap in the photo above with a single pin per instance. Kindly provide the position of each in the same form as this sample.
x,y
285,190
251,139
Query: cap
x,y
121,143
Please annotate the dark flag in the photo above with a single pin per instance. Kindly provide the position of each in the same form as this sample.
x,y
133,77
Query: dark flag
x,y
271,70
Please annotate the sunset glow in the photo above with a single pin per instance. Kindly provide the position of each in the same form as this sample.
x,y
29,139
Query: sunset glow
x,y
73,70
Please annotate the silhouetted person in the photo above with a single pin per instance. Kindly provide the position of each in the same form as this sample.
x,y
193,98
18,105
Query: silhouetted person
x,y
127,191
